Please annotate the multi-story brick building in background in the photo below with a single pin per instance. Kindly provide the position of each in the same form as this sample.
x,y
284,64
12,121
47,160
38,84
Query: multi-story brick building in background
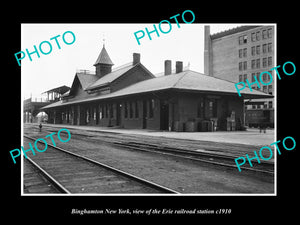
x,y
241,53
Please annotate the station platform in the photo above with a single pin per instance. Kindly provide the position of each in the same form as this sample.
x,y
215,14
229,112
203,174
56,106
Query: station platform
x,y
250,137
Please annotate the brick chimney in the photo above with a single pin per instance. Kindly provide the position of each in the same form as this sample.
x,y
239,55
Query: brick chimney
x,y
136,58
168,67
207,52
179,66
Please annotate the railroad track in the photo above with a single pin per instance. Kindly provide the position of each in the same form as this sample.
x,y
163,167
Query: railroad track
x,y
35,182
200,156
73,173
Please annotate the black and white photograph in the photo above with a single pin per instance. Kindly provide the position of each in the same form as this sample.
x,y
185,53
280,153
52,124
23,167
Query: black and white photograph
x,y
161,118
172,116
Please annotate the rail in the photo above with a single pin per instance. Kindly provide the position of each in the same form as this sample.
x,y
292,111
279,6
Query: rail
x,y
115,170
205,157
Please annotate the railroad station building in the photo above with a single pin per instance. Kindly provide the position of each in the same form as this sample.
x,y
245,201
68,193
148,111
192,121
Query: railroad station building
x,y
130,96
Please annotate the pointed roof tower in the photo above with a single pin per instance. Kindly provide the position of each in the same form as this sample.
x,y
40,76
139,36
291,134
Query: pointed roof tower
x,y
103,58
103,63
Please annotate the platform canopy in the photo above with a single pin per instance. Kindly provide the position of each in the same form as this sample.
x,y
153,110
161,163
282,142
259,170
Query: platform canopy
x,y
60,90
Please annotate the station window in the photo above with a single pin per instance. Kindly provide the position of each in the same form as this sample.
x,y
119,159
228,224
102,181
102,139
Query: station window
x,y
212,108
130,110
111,111
100,112
240,78
103,111
151,108
136,109
106,111
200,107
87,119
125,110
270,104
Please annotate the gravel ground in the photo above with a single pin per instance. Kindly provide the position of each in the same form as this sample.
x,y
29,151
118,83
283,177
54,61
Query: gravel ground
x,y
183,176
35,182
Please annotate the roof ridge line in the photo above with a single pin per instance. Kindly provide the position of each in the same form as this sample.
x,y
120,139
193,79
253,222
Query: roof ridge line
x,y
183,75
213,76
120,68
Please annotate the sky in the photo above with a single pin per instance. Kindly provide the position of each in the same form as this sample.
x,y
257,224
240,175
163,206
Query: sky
x,y
59,66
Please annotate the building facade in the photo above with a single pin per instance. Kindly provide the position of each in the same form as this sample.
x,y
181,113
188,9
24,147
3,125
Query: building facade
x,y
243,53
130,96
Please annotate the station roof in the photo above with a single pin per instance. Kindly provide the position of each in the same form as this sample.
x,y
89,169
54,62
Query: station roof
x,y
108,78
86,79
188,81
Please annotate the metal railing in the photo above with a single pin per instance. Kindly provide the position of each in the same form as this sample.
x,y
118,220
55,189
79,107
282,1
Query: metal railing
x,y
85,71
